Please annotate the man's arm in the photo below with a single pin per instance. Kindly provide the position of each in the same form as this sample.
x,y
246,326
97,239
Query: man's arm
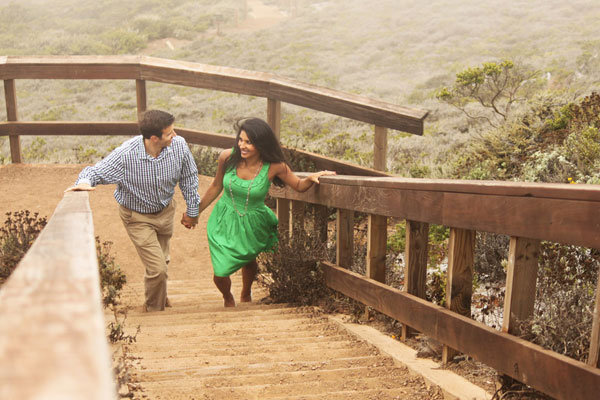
x,y
188,183
107,171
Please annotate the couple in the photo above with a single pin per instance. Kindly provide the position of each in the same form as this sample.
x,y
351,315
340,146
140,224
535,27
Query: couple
x,y
146,170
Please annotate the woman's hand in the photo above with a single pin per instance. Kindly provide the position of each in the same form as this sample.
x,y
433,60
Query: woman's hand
x,y
315,177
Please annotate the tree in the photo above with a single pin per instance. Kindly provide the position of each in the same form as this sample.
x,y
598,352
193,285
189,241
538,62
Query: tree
x,y
490,92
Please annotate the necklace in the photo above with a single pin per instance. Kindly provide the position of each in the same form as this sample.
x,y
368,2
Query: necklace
x,y
247,195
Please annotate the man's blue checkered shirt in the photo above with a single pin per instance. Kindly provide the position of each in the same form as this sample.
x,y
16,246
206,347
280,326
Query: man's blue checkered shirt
x,y
146,184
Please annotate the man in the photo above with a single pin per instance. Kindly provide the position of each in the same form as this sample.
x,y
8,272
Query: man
x,y
146,170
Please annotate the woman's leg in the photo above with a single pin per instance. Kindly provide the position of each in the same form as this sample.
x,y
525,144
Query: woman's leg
x,y
223,283
248,275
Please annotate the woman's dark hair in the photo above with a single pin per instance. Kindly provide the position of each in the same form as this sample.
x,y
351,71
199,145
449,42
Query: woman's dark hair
x,y
262,137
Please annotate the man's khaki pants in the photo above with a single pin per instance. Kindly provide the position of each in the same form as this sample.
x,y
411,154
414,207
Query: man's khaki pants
x,y
151,236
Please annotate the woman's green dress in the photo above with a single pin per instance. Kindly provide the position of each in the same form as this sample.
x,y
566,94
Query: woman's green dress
x,y
238,233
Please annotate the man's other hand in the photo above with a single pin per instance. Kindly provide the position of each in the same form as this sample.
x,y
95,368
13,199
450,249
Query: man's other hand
x,y
81,187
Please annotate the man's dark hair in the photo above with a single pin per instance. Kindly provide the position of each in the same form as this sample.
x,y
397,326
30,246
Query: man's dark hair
x,y
153,122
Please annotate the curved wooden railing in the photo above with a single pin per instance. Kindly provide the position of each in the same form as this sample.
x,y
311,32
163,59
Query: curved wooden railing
x,y
527,212
274,88
52,335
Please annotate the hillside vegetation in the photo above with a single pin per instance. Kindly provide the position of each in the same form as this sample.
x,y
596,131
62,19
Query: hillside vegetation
x,y
399,51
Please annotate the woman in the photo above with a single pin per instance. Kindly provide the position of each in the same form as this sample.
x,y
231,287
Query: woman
x,y
241,226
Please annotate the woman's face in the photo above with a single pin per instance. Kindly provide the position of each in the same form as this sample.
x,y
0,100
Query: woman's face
x,y
247,149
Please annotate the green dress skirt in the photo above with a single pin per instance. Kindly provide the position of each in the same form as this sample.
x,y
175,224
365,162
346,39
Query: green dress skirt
x,y
241,226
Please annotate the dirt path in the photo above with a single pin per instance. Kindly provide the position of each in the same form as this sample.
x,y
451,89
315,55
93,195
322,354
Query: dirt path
x,y
199,350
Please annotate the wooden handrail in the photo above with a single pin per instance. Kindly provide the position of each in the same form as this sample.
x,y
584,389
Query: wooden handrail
x,y
52,336
527,212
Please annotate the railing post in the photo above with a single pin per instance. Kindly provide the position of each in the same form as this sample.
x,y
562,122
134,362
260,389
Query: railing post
x,y
344,227
415,261
459,286
274,117
594,354
320,223
521,278
141,99
380,149
10,94
376,246
297,211
283,215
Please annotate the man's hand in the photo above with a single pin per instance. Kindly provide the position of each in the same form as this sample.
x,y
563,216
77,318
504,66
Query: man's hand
x,y
81,187
189,222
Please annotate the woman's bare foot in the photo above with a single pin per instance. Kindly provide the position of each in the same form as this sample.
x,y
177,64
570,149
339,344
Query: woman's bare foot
x,y
229,301
246,298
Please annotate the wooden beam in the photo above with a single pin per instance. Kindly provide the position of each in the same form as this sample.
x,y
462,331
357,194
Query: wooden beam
x,y
594,354
10,95
53,327
376,247
283,216
72,67
565,220
380,149
556,375
140,94
60,128
415,261
274,117
459,285
521,278
344,227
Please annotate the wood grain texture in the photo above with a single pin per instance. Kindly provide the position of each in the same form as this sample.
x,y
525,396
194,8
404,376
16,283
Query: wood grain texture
x,y
380,145
283,216
570,219
594,353
344,226
52,335
10,95
274,116
376,247
521,278
415,261
58,128
554,374
140,96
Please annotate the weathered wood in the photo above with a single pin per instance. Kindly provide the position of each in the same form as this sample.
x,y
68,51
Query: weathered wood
x,y
415,262
344,227
594,354
72,67
10,95
521,278
52,335
376,246
140,95
52,128
552,373
283,216
274,116
297,213
459,286
380,149
321,216
570,221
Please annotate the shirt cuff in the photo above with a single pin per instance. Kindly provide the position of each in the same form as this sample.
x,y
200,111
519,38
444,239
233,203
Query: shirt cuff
x,y
192,212
83,180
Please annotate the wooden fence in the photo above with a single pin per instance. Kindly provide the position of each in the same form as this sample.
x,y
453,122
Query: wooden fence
x,y
274,88
52,336
528,213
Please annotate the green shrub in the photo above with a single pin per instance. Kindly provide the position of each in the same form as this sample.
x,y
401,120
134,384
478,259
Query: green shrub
x,y
206,159
112,279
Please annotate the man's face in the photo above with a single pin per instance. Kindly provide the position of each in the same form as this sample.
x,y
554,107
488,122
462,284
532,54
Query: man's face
x,y
168,134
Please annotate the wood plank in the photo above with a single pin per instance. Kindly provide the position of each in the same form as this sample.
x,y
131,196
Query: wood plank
x,y
58,128
344,227
521,279
140,95
274,116
52,335
283,216
594,354
567,221
72,67
415,261
552,373
10,95
376,247
459,285
380,149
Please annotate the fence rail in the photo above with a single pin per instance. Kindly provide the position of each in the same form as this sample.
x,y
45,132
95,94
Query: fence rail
x,y
52,336
527,212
